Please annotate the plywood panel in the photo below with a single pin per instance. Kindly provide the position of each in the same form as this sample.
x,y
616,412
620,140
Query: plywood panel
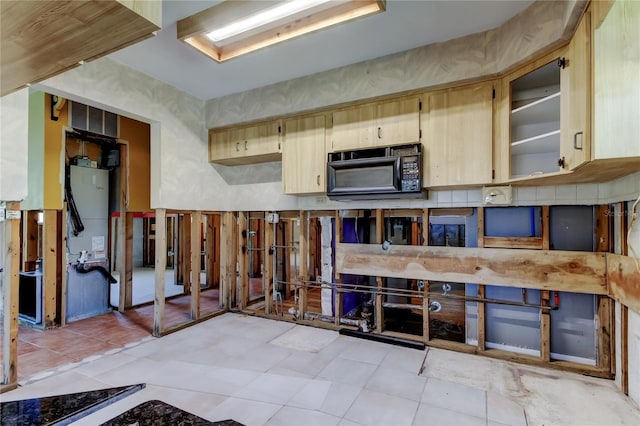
x,y
40,39
550,270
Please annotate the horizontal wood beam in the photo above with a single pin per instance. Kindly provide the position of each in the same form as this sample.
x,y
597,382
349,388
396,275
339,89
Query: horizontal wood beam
x,y
624,280
578,272
514,242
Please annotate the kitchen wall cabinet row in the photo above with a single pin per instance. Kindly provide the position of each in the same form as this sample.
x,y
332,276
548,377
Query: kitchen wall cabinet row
x,y
530,124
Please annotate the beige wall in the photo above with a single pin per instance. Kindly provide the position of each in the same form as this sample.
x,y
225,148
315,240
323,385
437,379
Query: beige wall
x,y
14,143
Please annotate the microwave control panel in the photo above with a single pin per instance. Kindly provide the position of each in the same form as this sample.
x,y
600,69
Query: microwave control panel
x,y
410,173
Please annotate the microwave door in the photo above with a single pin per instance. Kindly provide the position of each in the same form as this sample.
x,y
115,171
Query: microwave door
x,y
364,176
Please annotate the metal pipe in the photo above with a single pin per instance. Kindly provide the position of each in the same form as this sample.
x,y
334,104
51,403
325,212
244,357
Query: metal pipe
x,y
400,305
314,316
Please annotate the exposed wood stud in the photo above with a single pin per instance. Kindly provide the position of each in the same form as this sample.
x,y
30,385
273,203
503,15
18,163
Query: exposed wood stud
x,y
50,266
228,256
604,332
196,250
127,278
268,266
242,292
185,250
545,327
481,319
624,349
304,261
11,283
545,229
426,317
379,319
62,265
160,268
338,294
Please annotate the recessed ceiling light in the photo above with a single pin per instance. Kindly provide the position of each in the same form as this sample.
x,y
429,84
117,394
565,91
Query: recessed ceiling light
x,y
233,28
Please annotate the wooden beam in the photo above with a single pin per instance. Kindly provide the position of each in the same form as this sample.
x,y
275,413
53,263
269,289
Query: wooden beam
x,y
212,269
228,255
160,268
545,327
196,250
268,266
624,280
62,264
426,313
128,263
481,227
482,323
532,243
185,244
546,236
604,332
579,272
242,291
337,294
30,240
303,247
378,307
10,287
49,267
603,219
624,349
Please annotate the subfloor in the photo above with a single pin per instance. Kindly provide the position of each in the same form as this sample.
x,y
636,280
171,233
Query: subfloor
x,y
258,371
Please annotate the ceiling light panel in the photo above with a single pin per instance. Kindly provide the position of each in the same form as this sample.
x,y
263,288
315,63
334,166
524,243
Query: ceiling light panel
x,y
233,28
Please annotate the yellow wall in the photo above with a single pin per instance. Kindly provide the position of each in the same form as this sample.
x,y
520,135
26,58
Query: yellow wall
x,y
138,136
54,155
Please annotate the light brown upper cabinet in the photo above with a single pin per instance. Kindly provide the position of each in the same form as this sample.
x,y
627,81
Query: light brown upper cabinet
x,y
458,136
304,155
381,123
241,145
546,112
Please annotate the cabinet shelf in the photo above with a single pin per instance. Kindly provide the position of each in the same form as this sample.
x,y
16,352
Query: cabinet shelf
x,y
543,110
546,142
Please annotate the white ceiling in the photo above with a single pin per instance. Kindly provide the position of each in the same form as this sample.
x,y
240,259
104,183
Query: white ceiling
x,y
405,24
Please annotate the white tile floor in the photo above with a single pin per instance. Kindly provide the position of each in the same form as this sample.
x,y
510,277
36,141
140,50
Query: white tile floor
x,y
258,371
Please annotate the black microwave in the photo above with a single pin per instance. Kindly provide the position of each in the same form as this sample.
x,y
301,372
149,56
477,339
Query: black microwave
x,y
376,173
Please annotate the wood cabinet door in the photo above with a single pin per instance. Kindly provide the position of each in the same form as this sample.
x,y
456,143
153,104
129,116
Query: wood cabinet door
x,y
262,140
353,128
220,146
575,84
398,122
303,155
458,136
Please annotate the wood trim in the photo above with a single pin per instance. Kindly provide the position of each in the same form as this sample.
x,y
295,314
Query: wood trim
x,y
160,268
10,288
579,272
531,243
196,249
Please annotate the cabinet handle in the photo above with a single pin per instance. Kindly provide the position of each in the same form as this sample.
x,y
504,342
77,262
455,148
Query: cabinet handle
x,y
245,145
575,141
237,146
561,163
318,180
379,132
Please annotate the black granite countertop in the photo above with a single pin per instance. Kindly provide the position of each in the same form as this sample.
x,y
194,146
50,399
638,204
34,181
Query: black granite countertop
x,y
61,409
158,413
